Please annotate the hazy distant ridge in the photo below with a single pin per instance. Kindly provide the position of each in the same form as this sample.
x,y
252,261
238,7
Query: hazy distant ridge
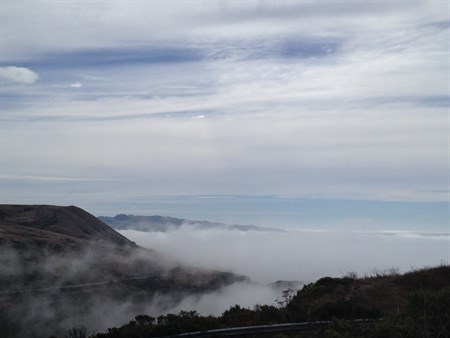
x,y
164,223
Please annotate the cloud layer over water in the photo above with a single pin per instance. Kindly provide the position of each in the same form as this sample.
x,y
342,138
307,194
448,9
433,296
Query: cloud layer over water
x,y
298,255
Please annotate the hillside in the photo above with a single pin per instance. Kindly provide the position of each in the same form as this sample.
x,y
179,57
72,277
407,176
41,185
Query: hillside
x,y
414,304
61,266
365,297
53,226
158,223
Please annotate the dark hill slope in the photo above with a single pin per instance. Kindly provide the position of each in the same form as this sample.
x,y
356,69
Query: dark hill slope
x,y
68,221
415,304
365,297
60,266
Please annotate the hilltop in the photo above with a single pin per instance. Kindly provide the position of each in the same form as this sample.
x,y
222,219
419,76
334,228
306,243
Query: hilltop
x,y
54,227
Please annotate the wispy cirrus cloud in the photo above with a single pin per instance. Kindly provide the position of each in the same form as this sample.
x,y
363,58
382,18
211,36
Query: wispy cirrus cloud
x,y
272,97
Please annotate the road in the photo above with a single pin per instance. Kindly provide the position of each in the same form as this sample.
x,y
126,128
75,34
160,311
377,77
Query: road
x,y
74,286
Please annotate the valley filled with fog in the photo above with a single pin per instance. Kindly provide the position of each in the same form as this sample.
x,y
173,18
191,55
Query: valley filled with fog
x,y
295,255
304,255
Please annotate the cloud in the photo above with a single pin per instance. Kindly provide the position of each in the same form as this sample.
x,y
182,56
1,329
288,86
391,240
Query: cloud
x,y
91,267
266,257
391,154
243,294
302,255
19,75
198,117
76,85
113,24
298,98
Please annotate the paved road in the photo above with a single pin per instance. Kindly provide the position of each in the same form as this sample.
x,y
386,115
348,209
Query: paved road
x,y
264,329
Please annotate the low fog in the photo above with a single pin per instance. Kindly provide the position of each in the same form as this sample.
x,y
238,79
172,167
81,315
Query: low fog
x,y
301,255
44,293
55,288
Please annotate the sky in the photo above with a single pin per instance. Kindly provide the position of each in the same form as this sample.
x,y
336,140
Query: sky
x,y
280,113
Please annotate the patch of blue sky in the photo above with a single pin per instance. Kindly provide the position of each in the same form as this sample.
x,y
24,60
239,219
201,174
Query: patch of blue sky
x,y
433,101
442,25
15,100
419,101
114,57
273,48
298,48
132,82
186,52
185,114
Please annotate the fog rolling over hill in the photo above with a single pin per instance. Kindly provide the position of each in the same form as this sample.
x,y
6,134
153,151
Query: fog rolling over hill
x,y
61,266
158,223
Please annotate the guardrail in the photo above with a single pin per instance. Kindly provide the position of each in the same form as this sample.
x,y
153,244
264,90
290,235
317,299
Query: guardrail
x,y
263,329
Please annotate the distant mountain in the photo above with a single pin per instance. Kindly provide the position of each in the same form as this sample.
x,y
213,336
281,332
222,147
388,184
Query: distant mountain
x,y
60,266
164,224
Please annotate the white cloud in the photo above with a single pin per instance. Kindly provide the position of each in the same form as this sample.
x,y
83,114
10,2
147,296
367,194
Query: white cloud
x,y
391,154
20,75
198,117
112,24
296,255
319,126
215,303
76,85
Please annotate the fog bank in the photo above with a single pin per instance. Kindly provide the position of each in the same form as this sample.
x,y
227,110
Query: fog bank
x,y
303,255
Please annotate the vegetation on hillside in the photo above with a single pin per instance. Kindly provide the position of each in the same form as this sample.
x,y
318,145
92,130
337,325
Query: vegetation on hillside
x,y
415,304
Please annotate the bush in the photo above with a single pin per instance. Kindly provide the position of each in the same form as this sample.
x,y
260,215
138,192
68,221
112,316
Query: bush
x,y
77,332
430,312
